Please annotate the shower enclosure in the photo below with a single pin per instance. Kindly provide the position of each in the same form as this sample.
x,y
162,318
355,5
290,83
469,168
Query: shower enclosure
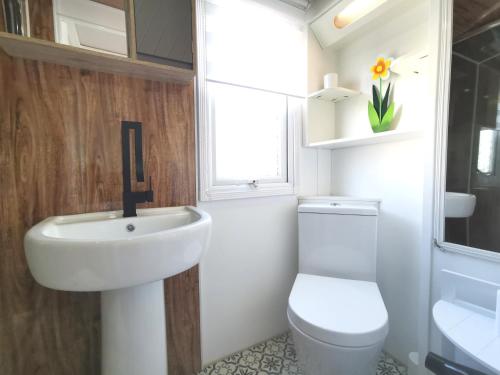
x,y
473,156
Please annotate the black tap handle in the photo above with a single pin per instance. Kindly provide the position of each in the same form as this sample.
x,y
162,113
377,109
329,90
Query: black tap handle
x,y
139,171
149,192
442,366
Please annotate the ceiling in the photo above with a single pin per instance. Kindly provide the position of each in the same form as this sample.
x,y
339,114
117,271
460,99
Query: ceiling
x,y
469,15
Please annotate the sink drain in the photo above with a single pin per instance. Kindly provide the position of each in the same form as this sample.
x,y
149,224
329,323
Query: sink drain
x,y
130,227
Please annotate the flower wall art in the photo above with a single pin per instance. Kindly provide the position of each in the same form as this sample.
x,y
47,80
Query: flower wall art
x,y
381,111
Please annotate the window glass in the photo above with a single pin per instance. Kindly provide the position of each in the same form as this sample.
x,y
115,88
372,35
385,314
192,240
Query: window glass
x,y
250,131
252,45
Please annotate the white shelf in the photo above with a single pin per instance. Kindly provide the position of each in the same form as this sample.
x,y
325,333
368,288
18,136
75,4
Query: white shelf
x,y
371,139
42,50
413,63
334,94
470,328
468,315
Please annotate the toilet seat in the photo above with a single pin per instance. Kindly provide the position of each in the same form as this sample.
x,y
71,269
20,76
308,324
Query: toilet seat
x,y
342,312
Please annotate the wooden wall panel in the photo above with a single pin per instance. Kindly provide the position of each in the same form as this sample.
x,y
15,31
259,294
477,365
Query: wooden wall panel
x,y
60,154
118,4
184,351
2,19
41,19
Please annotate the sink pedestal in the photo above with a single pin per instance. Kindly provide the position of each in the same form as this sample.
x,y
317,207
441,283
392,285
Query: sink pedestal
x,y
126,259
134,337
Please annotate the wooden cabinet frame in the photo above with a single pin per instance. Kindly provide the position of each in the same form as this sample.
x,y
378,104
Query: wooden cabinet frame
x,y
47,50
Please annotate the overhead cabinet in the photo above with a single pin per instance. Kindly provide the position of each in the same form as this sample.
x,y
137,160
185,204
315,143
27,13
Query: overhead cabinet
x,y
151,39
164,31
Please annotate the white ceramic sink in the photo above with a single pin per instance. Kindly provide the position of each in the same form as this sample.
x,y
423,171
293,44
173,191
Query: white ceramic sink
x,y
126,259
104,251
459,205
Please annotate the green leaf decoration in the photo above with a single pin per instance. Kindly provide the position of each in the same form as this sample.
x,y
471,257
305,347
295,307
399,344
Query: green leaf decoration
x,y
385,102
376,101
387,119
373,116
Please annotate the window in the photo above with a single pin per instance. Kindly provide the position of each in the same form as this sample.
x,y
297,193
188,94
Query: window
x,y
486,153
238,127
250,91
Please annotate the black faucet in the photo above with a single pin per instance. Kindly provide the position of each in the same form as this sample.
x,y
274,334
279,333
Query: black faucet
x,y
131,198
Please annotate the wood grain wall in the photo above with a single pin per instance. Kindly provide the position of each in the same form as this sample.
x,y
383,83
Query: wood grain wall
x,y
60,154
41,19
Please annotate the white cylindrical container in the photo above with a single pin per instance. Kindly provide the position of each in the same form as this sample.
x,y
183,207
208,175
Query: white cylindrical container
x,y
330,80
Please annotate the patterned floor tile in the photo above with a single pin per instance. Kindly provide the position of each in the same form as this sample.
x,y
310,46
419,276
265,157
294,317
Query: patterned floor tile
x,y
277,357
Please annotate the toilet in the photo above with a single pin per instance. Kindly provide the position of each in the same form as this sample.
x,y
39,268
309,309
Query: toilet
x,y
335,310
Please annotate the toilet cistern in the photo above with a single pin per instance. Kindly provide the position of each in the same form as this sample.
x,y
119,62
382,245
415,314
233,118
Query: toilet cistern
x,y
336,313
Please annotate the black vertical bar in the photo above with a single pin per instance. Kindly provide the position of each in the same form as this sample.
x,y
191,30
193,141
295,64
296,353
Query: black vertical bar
x,y
139,168
127,185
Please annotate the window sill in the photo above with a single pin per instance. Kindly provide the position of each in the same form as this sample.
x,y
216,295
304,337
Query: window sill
x,y
216,193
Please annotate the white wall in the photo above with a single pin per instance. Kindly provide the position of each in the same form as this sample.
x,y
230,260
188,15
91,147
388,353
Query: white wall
x,y
249,268
390,171
248,271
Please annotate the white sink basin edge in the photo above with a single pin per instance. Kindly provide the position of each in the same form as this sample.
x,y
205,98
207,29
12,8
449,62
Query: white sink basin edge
x,y
126,259
96,252
459,205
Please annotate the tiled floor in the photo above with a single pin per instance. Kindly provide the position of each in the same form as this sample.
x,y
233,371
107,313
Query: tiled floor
x,y
277,357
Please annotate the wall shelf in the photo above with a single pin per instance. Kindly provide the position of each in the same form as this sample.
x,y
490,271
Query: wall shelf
x,y
371,139
413,63
468,315
41,50
471,329
334,94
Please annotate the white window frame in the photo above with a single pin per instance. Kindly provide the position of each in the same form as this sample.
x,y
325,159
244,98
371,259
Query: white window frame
x,y
208,190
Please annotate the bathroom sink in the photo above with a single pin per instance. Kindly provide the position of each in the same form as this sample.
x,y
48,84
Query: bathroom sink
x,y
126,259
103,251
459,205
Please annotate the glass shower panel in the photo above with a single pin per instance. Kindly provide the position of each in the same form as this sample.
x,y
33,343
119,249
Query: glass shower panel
x,y
473,156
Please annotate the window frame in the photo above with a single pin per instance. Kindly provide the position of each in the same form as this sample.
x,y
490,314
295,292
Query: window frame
x,y
207,188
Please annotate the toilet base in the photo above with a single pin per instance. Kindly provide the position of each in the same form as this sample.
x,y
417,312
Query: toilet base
x,y
319,358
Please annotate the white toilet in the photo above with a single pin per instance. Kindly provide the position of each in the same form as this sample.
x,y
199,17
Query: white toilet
x,y
336,313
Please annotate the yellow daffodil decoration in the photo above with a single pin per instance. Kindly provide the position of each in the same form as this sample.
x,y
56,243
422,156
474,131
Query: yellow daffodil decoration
x,y
380,112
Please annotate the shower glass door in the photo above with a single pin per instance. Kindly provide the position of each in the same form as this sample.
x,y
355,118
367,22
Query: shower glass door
x,y
472,198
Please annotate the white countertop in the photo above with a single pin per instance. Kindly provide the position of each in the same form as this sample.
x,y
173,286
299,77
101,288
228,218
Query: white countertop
x,y
472,329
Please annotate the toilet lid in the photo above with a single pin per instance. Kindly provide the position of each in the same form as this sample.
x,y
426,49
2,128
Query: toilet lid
x,y
338,311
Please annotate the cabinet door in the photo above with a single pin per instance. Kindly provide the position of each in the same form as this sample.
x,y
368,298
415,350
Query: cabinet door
x,y
164,31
